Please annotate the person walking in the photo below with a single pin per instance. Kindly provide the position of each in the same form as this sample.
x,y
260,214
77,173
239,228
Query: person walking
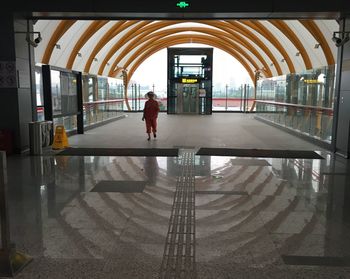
x,y
150,114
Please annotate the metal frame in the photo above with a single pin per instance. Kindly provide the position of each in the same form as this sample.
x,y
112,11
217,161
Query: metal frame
x,y
46,77
171,80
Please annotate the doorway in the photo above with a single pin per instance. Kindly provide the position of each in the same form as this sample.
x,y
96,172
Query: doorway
x,y
187,98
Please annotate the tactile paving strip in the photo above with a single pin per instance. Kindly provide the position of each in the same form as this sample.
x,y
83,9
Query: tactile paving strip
x,y
179,252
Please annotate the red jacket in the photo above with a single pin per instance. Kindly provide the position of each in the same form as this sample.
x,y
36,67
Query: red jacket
x,y
151,109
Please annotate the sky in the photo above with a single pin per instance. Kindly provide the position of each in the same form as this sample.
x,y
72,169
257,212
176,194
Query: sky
x,y
226,70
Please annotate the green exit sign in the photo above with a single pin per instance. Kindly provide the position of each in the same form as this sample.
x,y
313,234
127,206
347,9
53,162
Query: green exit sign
x,y
182,4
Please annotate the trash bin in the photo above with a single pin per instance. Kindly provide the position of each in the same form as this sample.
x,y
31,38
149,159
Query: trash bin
x,y
40,135
35,138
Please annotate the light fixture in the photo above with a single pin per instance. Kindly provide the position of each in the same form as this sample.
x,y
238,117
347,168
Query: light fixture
x,y
317,45
95,59
282,60
297,54
271,64
58,46
79,54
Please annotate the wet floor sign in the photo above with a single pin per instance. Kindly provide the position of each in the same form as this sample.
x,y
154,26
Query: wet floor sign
x,y
60,140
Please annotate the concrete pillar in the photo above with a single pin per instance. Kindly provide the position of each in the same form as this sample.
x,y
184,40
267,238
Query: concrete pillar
x,y
17,84
342,100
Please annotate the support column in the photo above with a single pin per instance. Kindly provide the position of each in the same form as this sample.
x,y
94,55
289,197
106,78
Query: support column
x,y
341,124
17,84
11,261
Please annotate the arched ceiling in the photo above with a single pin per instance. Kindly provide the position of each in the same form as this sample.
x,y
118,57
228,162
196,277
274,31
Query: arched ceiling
x,y
103,47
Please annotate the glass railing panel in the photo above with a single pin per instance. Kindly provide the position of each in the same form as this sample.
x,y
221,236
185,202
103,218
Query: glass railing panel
x,y
99,111
312,121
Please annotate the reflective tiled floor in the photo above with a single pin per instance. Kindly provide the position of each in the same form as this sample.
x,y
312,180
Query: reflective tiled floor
x,y
182,217
252,217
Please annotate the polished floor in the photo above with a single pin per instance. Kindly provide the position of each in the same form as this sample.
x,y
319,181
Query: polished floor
x,y
218,130
182,217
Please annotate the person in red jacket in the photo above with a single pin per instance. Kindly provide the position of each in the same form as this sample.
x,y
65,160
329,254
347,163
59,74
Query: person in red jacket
x,y
150,114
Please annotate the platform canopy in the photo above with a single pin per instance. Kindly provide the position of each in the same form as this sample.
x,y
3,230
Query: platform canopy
x,y
106,47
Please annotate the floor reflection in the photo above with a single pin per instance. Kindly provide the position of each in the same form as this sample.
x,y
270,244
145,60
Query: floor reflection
x,y
249,212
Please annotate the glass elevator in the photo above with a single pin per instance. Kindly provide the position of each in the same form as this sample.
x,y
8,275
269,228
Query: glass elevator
x,y
189,88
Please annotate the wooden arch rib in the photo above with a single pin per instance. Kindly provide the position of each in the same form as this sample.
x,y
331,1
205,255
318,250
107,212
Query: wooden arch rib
x,y
232,26
113,31
62,28
139,38
185,38
121,41
312,27
89,32
260,28
285,29
224,36
158,47
115,28
238,38
215,36
142,34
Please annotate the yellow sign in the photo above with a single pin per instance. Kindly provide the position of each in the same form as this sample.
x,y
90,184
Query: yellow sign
x,y
189,80
60,140
311,81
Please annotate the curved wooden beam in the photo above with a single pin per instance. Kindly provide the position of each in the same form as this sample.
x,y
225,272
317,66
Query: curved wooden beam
x,y
136,40
113,31
158,47
62,28
173,40
216,33
132,32
312,27
219,34
286,30
89,32
262,30
234,27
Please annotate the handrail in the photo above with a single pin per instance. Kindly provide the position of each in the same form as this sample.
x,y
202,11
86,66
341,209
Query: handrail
x,y
295,105
103,101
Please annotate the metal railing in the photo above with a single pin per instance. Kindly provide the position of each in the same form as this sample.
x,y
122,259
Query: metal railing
x,y
310,120
94,112
99,111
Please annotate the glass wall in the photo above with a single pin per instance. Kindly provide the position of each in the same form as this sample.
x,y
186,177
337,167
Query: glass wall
x,y
137,97
103,99
64,97
229,98
302,102
64,93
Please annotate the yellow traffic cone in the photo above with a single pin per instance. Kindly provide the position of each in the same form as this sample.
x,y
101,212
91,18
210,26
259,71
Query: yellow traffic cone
x,y
60,140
